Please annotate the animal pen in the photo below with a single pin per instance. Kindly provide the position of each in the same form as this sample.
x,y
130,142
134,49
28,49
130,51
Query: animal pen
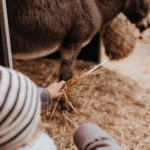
x,y
111,98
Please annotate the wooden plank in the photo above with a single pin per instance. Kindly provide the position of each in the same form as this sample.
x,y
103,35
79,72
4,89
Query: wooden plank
x,y
5,48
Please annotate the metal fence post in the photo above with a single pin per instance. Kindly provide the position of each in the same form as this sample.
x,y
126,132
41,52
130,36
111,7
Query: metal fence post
x,y
5,48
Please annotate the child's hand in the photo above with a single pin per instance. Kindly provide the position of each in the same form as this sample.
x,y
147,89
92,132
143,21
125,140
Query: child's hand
x,y
55,88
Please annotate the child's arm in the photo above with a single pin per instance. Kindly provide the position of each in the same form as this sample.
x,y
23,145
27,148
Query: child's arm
x,y
53,91
45,97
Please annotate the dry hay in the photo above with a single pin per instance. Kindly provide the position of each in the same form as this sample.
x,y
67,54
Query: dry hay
x,y
119,38
114,102
71,89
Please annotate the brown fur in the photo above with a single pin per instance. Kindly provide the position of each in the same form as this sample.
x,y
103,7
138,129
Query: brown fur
x,y
39,27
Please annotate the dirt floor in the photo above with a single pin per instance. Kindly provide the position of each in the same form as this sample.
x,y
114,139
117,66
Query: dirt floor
x,y
118,100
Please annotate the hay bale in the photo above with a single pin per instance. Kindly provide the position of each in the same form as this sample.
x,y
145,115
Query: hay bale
x,y
119,38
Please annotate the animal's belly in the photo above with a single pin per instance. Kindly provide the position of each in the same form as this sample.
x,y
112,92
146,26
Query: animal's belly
x,y
33,47
35,54
32,37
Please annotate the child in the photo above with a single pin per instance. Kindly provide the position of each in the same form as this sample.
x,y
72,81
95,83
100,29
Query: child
x,y
20,106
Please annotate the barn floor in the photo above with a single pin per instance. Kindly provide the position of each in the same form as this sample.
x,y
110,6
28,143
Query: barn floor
x,y
118,100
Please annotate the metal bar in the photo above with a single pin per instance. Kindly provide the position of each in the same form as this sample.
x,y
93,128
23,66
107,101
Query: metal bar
x,y
6,56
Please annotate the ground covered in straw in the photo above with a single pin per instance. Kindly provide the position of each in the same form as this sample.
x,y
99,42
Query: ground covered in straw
x,y
115,102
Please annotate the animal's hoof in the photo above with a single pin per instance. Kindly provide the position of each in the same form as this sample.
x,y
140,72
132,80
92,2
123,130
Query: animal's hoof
x,y
64,106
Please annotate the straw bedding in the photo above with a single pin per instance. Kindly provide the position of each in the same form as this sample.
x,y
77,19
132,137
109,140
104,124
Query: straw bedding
x,y
112,101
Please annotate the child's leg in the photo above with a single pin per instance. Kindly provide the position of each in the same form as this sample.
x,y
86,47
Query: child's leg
x,y
91,137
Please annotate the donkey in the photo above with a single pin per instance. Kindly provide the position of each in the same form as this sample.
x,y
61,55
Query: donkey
x,y
40,27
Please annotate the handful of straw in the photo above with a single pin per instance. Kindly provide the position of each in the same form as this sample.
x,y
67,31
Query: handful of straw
x,y
71,86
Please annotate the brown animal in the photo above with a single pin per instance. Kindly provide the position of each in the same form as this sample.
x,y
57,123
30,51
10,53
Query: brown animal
x,y
40,27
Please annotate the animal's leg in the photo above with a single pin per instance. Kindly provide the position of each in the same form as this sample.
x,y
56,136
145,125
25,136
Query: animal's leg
x,y
68,58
